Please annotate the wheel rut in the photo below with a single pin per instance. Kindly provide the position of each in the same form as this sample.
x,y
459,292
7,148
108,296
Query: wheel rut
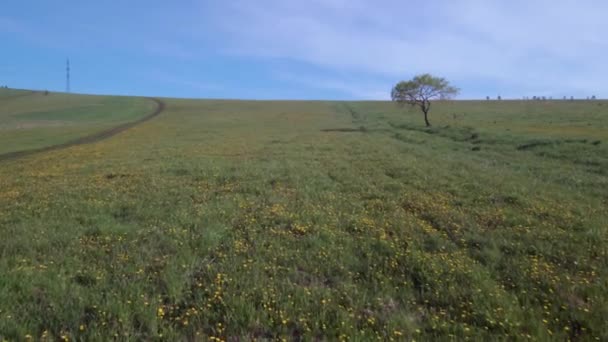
x,y
89,139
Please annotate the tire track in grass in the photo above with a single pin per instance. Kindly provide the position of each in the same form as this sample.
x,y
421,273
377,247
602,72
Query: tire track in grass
x,y
89,139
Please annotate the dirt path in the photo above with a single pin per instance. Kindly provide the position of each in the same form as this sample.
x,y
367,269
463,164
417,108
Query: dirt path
x,y
89,139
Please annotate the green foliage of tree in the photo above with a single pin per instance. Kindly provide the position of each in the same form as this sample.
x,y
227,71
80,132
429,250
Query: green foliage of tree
x,y
420,90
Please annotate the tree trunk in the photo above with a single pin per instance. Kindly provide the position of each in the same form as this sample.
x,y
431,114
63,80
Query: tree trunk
x,y
426,105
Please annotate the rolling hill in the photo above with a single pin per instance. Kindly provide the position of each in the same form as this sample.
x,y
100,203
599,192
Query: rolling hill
x,y
303,220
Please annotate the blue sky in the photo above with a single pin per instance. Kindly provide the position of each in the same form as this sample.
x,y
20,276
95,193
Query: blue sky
x,y
314,49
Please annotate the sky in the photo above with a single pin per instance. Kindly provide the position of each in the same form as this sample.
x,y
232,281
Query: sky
x,y
313,49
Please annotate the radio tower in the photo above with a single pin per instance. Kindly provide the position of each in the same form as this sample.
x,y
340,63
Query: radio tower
x,y
67,76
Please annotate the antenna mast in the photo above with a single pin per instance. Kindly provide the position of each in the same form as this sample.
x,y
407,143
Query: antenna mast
x,y
67,76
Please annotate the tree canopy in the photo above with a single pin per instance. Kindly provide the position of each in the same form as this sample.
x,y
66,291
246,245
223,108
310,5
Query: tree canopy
x,y
420,90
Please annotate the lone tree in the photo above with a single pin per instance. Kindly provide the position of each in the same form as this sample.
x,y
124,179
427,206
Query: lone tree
x,y
420,90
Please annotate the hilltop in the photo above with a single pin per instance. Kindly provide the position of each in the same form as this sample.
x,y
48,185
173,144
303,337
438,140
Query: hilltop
x,y
302,219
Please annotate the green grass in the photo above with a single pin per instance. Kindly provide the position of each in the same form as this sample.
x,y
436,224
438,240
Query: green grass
x,y
30,120
315,220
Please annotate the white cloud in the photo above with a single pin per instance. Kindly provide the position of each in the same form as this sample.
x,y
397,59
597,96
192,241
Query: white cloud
x,y
358,47
520,46
367,91
170,78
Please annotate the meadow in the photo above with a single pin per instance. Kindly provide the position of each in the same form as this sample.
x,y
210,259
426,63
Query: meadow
x,y
289,220
32,119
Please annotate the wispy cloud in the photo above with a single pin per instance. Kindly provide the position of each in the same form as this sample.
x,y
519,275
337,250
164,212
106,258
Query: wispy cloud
x,y
347,87
176,80
358,48
518,45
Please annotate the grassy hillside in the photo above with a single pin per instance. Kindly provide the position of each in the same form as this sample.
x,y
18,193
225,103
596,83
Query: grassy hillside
x,y
315,220
30,120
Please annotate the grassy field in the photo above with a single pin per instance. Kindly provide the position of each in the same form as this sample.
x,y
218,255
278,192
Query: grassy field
x,y
313,220
31,120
